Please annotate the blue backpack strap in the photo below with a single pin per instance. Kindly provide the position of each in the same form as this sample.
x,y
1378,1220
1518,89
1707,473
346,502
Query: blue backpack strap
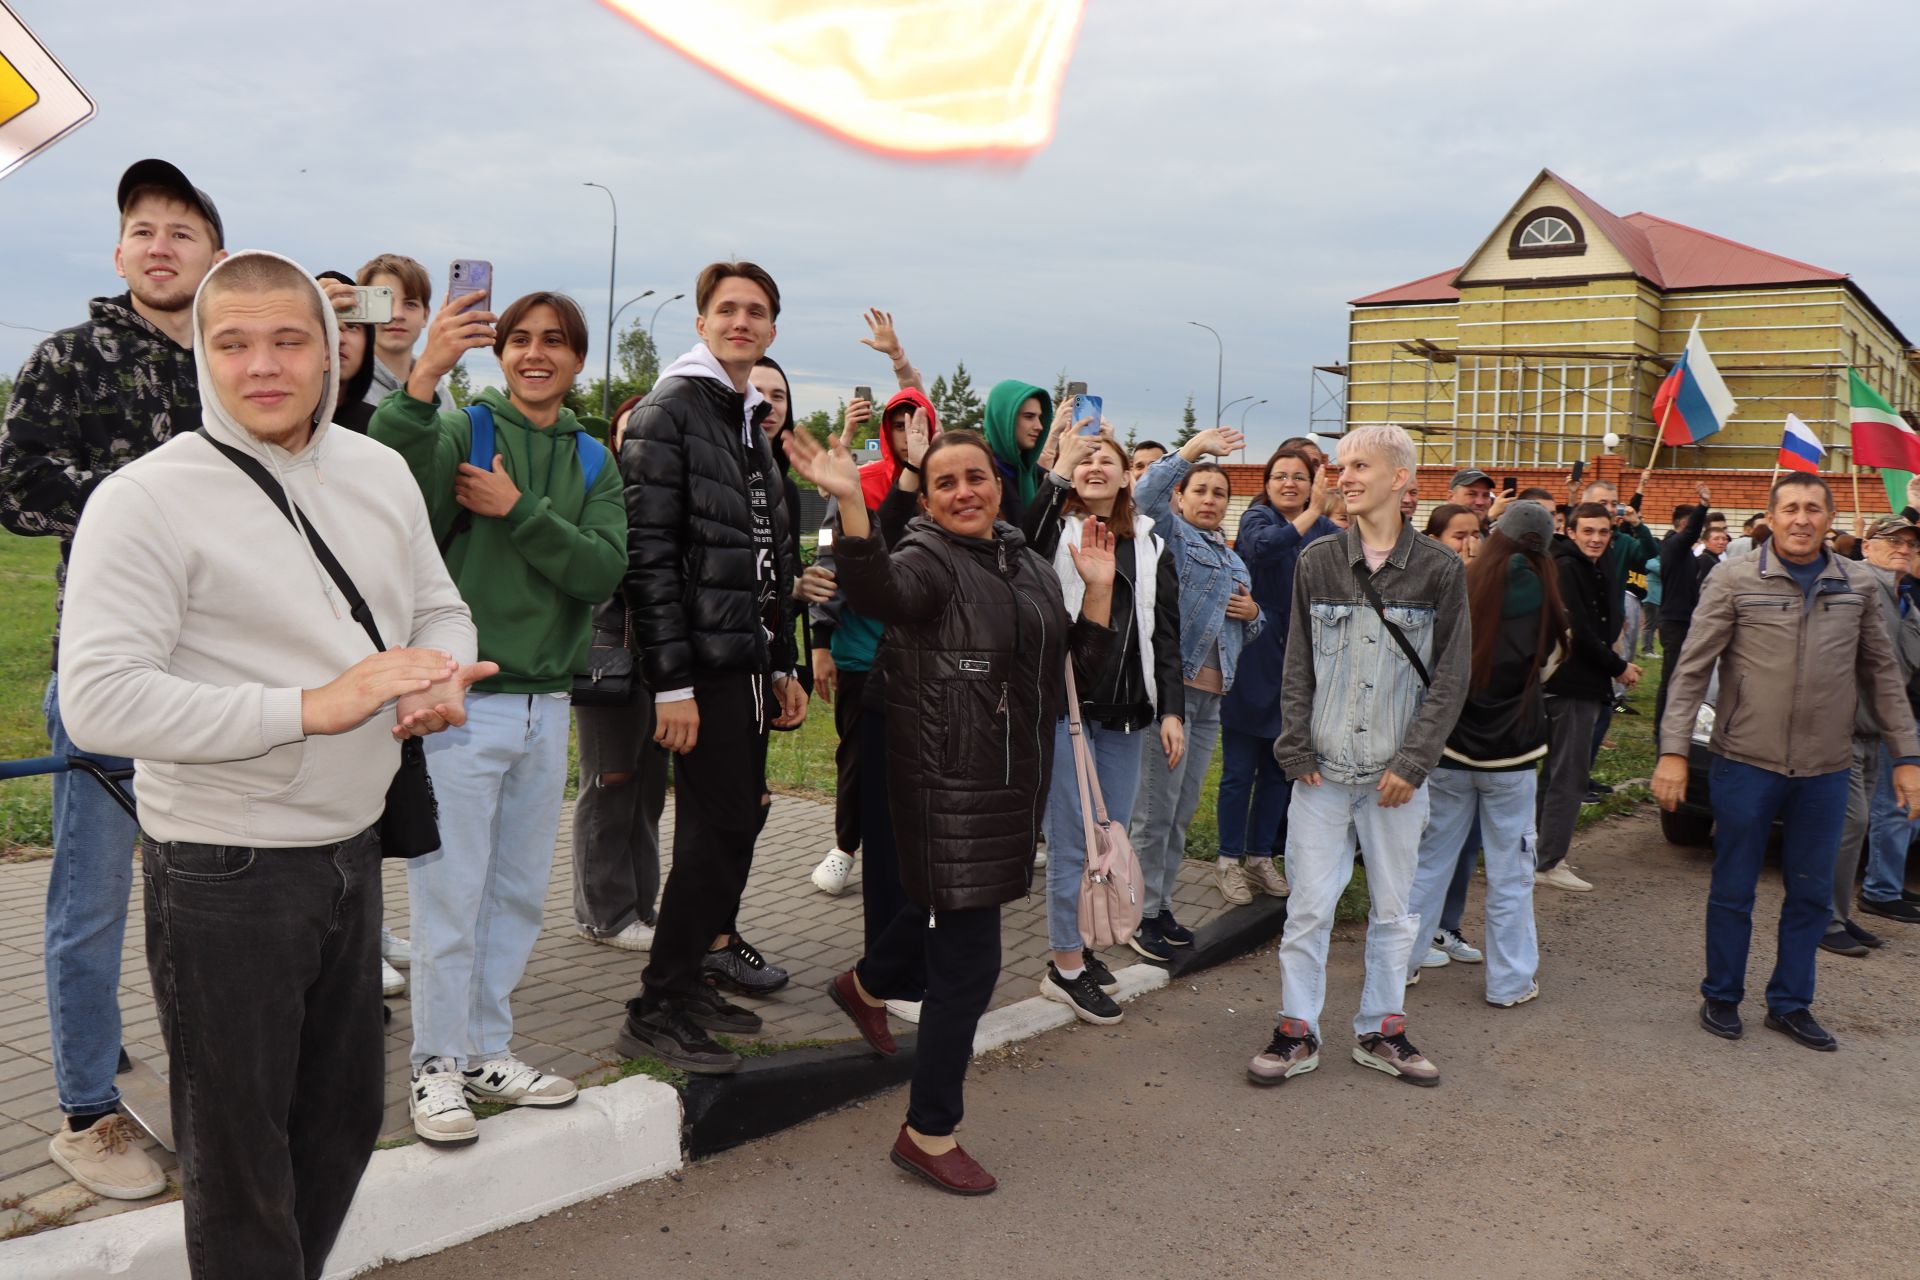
x,y
593,457
480,449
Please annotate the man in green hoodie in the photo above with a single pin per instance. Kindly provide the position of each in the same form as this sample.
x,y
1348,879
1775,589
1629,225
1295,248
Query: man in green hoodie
x,y
534,543
1016,418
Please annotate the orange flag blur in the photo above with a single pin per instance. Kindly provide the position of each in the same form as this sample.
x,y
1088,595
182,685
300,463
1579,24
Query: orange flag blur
x,y
911,77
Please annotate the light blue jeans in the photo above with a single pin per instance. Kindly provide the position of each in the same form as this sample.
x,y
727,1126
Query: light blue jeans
x,y
1116,762
1322,823
477,901
1503,803
1889,832
1169,798
86,925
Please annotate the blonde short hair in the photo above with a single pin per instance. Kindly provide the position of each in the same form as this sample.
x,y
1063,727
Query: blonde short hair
x,y
1384,440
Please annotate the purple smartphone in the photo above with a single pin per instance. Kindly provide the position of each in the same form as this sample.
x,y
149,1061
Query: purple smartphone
x,y
471,275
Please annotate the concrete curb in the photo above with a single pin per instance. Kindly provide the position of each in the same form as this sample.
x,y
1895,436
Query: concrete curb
x,y
414,1200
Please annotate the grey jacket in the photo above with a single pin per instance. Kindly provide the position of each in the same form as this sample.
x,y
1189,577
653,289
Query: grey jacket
x,y
1792,674
1352,706
1906,642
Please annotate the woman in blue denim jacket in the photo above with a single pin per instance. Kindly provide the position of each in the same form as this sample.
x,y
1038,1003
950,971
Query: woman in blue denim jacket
x,y
1252,806
1217,617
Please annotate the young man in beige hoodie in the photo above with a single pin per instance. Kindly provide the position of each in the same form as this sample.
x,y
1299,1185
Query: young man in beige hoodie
x,y
204,638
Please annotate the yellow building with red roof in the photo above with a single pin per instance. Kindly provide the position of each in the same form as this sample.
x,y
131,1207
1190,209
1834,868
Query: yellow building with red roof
x,y
1557,330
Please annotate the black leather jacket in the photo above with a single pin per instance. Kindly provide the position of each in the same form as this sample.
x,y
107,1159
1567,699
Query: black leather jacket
x,y
691,566
974,656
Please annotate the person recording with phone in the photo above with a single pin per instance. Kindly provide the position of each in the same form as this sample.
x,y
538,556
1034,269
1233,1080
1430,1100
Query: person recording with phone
x,y
394,341
356,355
533,530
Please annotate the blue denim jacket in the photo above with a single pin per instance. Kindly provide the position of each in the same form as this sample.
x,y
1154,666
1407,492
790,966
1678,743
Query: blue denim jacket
x,y
1209,571
1353,706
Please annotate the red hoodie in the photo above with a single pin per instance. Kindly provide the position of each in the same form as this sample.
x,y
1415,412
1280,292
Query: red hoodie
x,y
876,478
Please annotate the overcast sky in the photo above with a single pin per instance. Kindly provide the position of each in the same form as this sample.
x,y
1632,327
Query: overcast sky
x,y
1251,165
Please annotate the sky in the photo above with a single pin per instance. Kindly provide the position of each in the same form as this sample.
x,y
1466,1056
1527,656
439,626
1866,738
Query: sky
x,y
1249,165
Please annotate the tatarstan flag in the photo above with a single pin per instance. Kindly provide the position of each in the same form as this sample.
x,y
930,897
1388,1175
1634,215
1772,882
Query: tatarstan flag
x,y
1882,438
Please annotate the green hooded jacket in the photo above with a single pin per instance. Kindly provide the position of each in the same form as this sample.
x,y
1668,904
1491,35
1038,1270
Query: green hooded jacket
x,y
533,576
1021,466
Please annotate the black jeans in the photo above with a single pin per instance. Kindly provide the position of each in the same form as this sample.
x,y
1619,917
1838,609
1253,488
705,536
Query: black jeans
x,y
849,814
719,805
616,825
954,959
882,896
1673,637
266,971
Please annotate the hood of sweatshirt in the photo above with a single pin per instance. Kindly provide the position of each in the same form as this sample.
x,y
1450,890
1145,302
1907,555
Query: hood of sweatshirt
x,y
702,363
118,311
1001,426
878,477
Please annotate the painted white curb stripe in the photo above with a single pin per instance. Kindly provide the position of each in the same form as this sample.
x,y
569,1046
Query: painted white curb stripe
x,y
416,1200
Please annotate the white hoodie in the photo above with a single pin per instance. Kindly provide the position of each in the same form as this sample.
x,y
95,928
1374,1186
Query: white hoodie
x,y
196,614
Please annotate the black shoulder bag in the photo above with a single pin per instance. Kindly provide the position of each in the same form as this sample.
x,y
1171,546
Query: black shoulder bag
x,y
1365,579
410,826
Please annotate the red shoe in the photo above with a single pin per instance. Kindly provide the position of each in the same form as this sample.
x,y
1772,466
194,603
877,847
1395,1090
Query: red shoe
x,y
871,1021
955,1172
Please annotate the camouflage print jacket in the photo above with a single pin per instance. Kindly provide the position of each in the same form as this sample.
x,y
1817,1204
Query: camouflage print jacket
x,y
89,400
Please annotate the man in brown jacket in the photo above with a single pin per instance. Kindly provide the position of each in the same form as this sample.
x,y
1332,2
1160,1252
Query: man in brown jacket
x,y
1802,636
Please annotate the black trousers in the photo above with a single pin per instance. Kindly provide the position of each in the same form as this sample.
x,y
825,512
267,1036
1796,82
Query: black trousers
x,y
1673,637
954,958
849,813
719,805
616,825
266,971
882,896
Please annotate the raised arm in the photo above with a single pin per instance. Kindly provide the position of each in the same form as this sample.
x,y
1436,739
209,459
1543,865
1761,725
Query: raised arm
x,y
886,340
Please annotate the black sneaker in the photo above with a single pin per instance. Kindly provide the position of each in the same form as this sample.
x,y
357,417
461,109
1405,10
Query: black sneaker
x,y
1147,940
1863,936
712,1012
1841,943
667,1033
1799,1025
1083,995
1722,1018
1592,797
1173,931
738,967
1899,909
1102,976
1599,788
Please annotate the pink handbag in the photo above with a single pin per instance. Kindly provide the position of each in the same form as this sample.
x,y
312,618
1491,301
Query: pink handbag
x,y
1110,889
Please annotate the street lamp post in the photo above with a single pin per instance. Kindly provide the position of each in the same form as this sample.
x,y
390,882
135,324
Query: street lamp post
x,y
613,263
656,319
1230,405
1219,368
1243,427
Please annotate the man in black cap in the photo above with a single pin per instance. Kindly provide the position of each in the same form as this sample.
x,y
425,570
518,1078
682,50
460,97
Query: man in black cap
x,y
1473,490
89,400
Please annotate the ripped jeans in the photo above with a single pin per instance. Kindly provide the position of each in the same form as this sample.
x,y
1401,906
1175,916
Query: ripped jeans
x,y
1503,802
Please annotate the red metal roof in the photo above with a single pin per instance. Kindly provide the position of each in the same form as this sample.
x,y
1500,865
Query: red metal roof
x,y
1669,255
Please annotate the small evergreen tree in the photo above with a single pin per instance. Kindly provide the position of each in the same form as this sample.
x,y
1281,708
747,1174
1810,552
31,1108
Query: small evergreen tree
x,y
1189,424
965,408
459,386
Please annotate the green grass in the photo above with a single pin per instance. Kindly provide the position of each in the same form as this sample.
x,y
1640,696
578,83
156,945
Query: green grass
x,y
26,631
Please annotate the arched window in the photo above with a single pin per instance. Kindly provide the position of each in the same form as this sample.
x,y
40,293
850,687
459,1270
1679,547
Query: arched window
x,y
1547,233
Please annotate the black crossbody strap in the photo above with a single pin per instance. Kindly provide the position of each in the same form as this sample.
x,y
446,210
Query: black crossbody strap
x,y
258,473
1365,579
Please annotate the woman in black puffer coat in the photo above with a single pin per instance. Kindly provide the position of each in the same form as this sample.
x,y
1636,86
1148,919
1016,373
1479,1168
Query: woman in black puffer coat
x,y
975,661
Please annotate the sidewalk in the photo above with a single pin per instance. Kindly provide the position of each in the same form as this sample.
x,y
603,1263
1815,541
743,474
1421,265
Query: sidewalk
x,y
567,1008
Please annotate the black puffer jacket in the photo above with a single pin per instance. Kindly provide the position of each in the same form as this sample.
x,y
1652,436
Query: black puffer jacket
x,y
974,658
690,557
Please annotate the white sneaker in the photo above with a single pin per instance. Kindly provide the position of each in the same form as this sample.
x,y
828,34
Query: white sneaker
x,y
513,1082
1561,877
1040,858
391,983
438,1104
830,877
1435,959
905,1010
635,937
1533,990
107,1160
394,949
1457,947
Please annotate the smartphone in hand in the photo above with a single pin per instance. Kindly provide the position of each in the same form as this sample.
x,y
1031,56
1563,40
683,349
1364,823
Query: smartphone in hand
x,y
372,304
1085,406
863,393
471,275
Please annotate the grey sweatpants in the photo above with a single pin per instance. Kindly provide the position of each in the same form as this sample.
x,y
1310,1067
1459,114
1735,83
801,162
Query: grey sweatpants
x,y
616,826
1853,835
1570,724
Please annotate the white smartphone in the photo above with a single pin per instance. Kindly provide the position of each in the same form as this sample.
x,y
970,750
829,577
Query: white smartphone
x,y
826,538
372,304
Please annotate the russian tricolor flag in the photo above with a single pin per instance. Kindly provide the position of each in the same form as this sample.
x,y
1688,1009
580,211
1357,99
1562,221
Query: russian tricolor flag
x,y
1800,449
1693,401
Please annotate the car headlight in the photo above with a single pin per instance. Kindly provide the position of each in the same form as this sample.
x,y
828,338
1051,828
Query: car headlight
x,y
1703,724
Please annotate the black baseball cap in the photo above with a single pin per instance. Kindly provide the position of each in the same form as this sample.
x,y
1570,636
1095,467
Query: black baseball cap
x,y
158,173
1469,476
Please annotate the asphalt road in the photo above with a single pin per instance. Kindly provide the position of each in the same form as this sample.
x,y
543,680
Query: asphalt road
x,y
1595,1132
